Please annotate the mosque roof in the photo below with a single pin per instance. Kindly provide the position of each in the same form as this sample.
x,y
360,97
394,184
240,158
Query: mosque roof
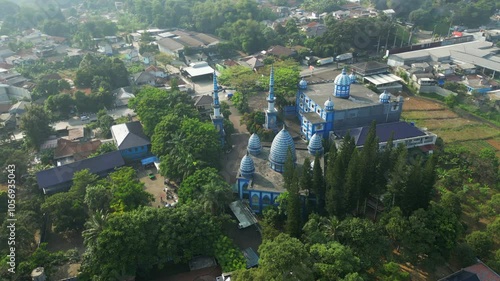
x,y
254,142
247,165
342,79
279,148
315,143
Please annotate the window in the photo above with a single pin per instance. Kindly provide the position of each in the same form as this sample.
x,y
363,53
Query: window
x,y
395,107
266,200
318,111
301,96
304,121
307,100
301,105
319,127
255,200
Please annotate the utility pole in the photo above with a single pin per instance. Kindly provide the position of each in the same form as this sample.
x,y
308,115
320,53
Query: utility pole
x,y
387,39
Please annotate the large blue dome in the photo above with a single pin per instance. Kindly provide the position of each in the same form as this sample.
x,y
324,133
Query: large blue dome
x,y
279,150
342,79
247,167
385,97
254,145
342,85
315,146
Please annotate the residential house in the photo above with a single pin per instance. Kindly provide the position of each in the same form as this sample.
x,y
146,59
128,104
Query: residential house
x,y
105,48
76,134
252,62
69,151
131,141
148,58
341,14
61,178
444,68
132,55
204,105
19,108
123,96
478,84
467,68
314,29
281,51
143,78
156,71
389,13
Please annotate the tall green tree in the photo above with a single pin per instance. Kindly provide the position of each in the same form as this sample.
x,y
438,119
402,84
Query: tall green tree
x,y
285,258
35,124
293,223
318,185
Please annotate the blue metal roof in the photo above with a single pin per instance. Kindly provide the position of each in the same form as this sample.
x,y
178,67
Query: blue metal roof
x,y
251,257
402,130
279,148
149,160
64,173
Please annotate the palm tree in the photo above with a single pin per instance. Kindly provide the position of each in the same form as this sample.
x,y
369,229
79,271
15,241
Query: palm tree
x,y
215,197
94,227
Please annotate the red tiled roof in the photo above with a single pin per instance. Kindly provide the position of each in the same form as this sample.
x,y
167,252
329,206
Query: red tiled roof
x,y
483,272
67,148
312,24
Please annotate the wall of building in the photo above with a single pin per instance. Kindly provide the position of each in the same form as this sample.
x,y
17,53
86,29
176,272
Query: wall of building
x,y
359,117
134,153
18,93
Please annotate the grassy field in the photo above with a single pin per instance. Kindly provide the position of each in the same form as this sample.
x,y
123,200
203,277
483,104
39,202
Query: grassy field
x,y
454,130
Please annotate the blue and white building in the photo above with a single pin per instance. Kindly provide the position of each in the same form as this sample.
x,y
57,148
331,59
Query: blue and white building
x,y
350,105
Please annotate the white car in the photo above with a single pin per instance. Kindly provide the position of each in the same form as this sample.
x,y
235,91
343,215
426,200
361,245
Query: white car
x,y
84,118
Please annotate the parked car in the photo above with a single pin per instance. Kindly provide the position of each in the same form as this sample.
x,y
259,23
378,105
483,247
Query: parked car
x,y
84,118
151,175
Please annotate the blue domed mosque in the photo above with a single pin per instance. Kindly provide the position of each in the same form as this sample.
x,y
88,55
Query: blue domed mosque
x,y
326,110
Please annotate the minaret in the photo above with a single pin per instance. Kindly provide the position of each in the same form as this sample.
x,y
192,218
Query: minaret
x,y
217,117
271,111
328,116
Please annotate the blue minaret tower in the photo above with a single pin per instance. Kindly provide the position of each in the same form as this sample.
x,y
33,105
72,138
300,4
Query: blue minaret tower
x,y
271,112
217,117
328,115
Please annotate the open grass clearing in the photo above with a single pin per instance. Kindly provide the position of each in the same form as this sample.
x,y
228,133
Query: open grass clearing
x,y
446,124
416,103
429,114
466,133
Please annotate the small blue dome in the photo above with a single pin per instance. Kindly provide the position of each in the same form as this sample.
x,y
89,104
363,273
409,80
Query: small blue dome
x,y
342,85
247,167
303,84
254,145
385,97
315,145
328,104
353,78
279,150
